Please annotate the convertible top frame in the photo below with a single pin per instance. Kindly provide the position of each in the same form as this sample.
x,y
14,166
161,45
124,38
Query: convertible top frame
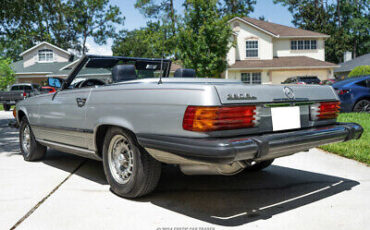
x,y
110,61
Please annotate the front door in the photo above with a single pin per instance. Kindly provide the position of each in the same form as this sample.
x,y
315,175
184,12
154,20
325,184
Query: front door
x,y
62,117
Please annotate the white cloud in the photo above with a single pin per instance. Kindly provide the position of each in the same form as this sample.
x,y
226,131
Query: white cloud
x,y
99,49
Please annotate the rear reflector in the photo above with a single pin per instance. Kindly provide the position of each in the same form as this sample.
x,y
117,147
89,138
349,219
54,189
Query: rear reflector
x,y
324,110
343,91
205,119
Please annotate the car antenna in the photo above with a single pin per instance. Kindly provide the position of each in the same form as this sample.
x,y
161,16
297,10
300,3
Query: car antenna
x,y
161,73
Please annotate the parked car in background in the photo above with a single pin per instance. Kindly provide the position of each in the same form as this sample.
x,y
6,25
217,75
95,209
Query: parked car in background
x,y
47,89
328,82
17,93
302,80
205,126
354,94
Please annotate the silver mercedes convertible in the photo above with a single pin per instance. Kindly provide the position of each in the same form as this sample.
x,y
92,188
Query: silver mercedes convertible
x,y
128,113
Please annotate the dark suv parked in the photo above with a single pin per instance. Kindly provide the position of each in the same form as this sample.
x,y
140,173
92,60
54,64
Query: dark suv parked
x,y
302,80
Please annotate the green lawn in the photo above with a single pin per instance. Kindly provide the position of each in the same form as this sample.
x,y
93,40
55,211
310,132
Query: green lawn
x,y
356,149
1,107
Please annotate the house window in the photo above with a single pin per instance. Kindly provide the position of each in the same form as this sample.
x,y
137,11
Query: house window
x,y
251,48
45,55
313,44
293,45
303,44
251,78
300,45
307,44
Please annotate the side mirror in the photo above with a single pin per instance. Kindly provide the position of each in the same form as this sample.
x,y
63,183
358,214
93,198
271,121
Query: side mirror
x,y
55,82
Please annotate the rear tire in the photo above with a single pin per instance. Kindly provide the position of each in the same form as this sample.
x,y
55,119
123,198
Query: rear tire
x,y
6,107
130,170
362,106
259,166
30,148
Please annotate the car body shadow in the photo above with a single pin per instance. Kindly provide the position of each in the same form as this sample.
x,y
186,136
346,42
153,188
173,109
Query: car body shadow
x,y
223,200
226,200
246,197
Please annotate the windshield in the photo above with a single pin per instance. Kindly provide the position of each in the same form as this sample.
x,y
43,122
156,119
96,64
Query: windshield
x,y
117,69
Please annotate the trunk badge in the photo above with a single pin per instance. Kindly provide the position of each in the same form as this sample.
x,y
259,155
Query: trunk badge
x,y
241,96
288,92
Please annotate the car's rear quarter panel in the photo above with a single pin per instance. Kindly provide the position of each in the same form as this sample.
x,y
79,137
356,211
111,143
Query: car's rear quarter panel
x,y
147,108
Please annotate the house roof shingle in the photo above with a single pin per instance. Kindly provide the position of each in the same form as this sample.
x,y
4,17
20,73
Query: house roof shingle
x,y
282,62
281,30
38,67
349,65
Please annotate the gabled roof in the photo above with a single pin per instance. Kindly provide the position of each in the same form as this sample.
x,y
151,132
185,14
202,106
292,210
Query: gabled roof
x,y
350,65
44,43
54,69
279,31
38,67
297,62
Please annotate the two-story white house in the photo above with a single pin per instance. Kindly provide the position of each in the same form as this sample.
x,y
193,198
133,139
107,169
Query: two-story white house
x,y
266,52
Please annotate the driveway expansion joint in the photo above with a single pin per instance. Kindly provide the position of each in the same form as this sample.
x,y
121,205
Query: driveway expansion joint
x,y
47,196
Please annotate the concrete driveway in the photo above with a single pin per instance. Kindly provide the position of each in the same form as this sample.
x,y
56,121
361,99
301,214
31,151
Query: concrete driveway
x,y
310,190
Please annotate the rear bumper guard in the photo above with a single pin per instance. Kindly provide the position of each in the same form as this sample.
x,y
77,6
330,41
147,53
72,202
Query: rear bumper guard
x,y
259,147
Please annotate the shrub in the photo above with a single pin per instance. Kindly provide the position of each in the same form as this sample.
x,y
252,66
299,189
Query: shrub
x,y
361,70
6,74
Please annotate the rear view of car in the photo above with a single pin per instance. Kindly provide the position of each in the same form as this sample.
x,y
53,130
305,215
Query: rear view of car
x,y
354,94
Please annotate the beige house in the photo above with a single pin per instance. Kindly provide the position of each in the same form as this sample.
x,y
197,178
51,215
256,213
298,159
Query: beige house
x,y
266,53
46,60
40,62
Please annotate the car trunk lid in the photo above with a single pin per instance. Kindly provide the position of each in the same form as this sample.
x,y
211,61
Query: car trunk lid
x,y
257,94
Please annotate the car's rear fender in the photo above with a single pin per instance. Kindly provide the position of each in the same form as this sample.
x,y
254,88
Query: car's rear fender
x,y
95,141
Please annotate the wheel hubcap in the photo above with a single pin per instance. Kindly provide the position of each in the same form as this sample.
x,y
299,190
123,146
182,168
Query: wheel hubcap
x,y
120,159
26,139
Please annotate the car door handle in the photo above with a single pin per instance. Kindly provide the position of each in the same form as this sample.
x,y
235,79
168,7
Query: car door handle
x,y
80,101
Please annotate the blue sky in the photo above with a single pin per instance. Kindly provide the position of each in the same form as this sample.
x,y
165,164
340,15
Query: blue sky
x,y
134,19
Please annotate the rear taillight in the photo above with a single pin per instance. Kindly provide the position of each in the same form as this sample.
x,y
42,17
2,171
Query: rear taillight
x,y
343,91
324,110
205,119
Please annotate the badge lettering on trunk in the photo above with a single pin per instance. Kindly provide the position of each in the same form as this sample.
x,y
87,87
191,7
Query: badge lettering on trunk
x,y
241,96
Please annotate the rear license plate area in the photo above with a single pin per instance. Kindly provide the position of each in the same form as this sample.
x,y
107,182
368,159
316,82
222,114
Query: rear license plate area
x,y
284,118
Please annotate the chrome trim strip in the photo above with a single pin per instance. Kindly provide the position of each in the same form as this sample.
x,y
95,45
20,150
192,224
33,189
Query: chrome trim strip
x,y
71,149
64,128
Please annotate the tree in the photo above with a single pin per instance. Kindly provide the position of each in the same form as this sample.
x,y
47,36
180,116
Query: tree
x,y
94,18
361,70
66,24
6,74
233,8
203,42
159,10
347,23
163,21
154,40
24,23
